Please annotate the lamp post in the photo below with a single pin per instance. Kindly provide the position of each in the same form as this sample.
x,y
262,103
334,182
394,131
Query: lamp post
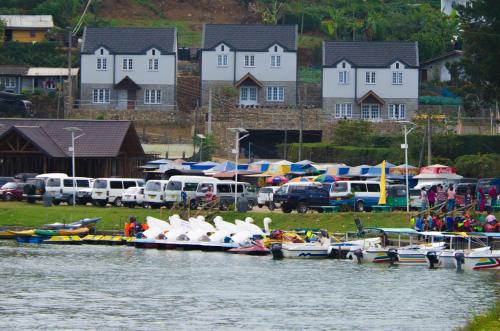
x,y
201,137
237,131
73,129
405,147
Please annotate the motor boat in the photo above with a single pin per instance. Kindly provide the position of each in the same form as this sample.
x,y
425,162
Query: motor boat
x,y
342,248
318,249
256,248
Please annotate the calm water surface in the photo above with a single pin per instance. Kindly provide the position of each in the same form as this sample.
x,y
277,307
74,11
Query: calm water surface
x,y
102,288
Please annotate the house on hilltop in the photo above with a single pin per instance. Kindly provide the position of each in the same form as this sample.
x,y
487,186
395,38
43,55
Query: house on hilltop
x,y
26,28
258,61
370,80
128,68
18,78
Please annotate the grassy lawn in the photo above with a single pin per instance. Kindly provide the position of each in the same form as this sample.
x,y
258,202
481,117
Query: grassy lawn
x,y
26,215
309,75
487,321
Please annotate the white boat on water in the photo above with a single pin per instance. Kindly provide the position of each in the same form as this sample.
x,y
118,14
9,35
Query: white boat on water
x,y
412,254
317,249
467,258
342,248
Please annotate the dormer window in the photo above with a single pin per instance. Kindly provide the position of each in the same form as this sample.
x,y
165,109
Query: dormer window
x,y
397,65
222,48
343,65
102,51
275,48
153,52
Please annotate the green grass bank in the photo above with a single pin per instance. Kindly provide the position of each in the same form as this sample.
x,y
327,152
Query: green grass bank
x,y
486,321
21,214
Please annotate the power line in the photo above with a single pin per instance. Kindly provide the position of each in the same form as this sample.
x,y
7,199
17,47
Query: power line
x,y
80,21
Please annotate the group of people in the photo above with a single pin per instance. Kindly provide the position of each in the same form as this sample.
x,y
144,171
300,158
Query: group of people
x,y
133,227
460,223
436,195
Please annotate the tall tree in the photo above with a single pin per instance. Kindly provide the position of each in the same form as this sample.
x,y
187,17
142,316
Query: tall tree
x,y
480,23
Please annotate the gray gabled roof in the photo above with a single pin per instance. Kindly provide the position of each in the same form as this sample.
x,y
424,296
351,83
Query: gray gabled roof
x,y
370,54
250,37
129,40
100,139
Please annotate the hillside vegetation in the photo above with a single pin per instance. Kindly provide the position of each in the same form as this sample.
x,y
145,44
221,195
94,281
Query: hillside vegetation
x,y
413,20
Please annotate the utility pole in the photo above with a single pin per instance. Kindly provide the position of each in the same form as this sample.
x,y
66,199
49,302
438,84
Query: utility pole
x,y
429,139
301,130
209,117
285,138
70,83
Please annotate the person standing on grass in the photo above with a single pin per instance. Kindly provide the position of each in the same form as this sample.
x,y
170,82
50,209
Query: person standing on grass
x,y
451,198
431,196
424,199
493,195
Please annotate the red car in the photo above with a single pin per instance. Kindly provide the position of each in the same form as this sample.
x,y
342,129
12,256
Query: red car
x,y
12,191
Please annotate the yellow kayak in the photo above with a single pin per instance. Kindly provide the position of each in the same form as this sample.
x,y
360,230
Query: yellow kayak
x,y
75,232
22,233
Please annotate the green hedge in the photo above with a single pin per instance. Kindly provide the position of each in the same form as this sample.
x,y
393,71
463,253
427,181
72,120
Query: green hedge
x,y
41,54
323,152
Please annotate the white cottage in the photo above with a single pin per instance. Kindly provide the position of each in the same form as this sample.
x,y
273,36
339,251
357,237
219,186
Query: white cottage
x,y
258,61
129,68
370,80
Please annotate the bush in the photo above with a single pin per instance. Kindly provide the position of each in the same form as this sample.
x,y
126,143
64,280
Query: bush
x,y
479,165
352,133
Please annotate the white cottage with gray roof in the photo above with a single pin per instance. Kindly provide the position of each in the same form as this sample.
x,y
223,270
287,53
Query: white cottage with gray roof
x,y
129,68
258,61
370,80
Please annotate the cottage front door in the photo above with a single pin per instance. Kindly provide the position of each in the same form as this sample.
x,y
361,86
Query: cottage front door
x,y
131,97
122,99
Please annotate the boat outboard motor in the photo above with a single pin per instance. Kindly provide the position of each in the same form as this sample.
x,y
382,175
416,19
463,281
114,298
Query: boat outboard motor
x,y
277,251
460,259
433,259
392,253
359,255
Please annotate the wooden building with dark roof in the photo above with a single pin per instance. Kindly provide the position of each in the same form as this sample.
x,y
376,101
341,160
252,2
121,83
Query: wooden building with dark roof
x,y
103,148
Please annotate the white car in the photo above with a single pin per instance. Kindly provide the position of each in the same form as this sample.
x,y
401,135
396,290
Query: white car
x,y
133,196
265,196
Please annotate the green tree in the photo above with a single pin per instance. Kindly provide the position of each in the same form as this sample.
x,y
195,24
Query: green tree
x,y
271,11
352,133
334,21
206,147
478,166
480,23
2,31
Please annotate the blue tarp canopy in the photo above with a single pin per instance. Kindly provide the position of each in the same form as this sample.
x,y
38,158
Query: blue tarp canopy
x,y
203,165
376,171
223,167
301,166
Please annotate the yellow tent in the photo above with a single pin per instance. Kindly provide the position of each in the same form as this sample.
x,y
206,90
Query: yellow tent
x,y
278,168
383,194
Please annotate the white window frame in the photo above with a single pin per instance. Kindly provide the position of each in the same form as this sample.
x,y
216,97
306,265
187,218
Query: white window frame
x,y
222,60
343,110
101,95
395,111
10,82
249,61
275,61
275,94
102,64
127,64
344,77
153,64
370,107
248,95
152,97
397,78
370,78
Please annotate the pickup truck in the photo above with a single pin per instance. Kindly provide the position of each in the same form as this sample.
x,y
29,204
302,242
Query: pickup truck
x,y
302,197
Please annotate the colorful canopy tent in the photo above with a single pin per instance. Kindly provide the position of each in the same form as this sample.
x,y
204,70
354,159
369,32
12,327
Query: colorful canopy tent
x,y
278,168
259,166
276,180
359,170
300,166
399,172
325,179
221,167
438,171
338,169
376,171
203,165
232,174
300,180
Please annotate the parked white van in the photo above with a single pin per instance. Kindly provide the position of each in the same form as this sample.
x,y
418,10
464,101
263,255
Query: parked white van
x,y
355,194
154,193
61,188
224,190
189,184
110,190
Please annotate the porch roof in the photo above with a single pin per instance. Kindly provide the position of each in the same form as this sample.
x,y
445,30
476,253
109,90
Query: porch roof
x,y
371,97
248,78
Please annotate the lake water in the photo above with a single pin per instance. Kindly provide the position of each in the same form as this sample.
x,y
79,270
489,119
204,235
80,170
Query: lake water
x,y
102,288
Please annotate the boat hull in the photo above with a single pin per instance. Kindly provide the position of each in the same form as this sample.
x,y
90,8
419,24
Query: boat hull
x,y
481,263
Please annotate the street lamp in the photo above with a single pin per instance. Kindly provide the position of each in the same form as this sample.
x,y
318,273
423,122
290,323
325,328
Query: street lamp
x,y
237,131
73,129
202,137
405,147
